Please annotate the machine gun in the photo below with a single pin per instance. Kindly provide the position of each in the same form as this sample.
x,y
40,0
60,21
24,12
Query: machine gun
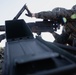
x,y
37,27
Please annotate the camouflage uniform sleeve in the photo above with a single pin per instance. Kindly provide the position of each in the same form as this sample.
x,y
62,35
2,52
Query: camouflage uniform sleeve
x,y
54,14
64,12
45,15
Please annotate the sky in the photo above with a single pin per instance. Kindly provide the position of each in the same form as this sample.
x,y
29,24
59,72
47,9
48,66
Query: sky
x,y
9,9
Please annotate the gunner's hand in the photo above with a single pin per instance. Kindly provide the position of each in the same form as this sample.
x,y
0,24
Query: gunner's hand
x,y
29,14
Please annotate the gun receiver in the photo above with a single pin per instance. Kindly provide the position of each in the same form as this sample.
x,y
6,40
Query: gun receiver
x,y
43,26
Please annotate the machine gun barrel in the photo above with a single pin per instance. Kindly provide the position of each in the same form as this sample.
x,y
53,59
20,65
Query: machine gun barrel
x,y
2,28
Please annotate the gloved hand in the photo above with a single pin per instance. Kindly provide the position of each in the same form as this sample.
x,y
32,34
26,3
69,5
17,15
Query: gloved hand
x,y
29,14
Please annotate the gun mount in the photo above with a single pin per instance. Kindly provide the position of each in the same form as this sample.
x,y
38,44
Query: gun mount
x,y
25,54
